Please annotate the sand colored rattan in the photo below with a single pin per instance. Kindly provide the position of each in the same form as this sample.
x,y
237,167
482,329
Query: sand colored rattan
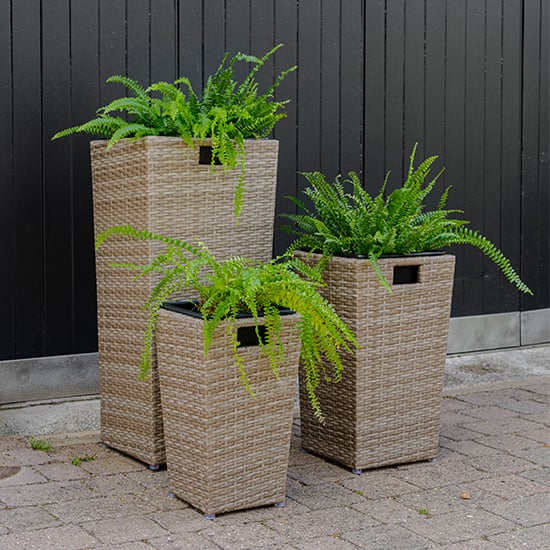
x,y
157,184
386,410
225,450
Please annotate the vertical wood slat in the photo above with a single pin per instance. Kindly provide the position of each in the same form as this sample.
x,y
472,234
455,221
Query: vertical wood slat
x,y
352,97
332,60
163,40
190,43
27,159
492,174
237,32
434,83
138,37
286,32
544,151
7,191
213,38
262,22
395,82
85,94
535,192
308,94
262,39
510,189
374,115
309,86
58,208
112,47
414,79
455,108
474,153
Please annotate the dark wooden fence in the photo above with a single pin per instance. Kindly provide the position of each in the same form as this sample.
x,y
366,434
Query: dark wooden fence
x,y
466,79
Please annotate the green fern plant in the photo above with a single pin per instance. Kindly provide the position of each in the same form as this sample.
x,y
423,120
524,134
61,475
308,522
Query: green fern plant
x,y
241,285
356,223
226,112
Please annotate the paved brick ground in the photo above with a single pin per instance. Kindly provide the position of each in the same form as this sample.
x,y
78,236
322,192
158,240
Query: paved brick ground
x,y
495,450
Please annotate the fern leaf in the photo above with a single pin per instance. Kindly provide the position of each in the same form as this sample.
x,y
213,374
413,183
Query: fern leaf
x,y
131,130
137,107
132,85
104,126
465,235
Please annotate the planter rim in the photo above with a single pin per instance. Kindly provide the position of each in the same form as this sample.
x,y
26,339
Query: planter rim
x,y
199,141
364,257
189,307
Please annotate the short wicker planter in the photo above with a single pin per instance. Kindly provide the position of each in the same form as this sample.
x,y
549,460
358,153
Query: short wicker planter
x,y
225,450
386,410
158,184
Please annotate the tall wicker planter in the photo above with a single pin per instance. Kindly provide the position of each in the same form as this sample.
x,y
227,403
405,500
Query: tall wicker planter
x,y
386,410
158,184
225,450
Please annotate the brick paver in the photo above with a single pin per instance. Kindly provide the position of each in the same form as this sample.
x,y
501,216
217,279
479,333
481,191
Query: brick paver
x,y
488,489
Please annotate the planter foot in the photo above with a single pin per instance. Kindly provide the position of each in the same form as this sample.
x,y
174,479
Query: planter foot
x,y
211,517
357,471
280,504
154,467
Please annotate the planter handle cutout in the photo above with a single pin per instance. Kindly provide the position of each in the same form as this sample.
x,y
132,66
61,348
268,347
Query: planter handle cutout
x,y
247,336
205,155
405,274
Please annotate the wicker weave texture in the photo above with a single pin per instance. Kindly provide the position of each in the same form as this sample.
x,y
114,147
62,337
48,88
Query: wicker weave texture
x,y
225,450
157,184
387,408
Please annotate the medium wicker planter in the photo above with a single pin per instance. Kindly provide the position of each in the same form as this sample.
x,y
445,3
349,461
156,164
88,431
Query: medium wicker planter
x,y
158,184
386,410
225,450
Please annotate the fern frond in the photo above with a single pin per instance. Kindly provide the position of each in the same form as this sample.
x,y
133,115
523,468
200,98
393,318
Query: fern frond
x,y
443,200
169,91
239,284
143,235
132,105
464,235
226,112
103,126
360,224
131,130
132,85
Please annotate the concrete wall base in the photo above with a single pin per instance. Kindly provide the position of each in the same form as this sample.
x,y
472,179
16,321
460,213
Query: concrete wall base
x,y
498,331
49,377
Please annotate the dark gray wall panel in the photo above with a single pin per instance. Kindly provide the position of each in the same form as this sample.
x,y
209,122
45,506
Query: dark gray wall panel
x,y
309,87
57,184
455,108
164,45
7,189
350,105
374,113
395,92
27,170
511,114
87,81
535,183
466,79
434,82
138,38
286,32
332,59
